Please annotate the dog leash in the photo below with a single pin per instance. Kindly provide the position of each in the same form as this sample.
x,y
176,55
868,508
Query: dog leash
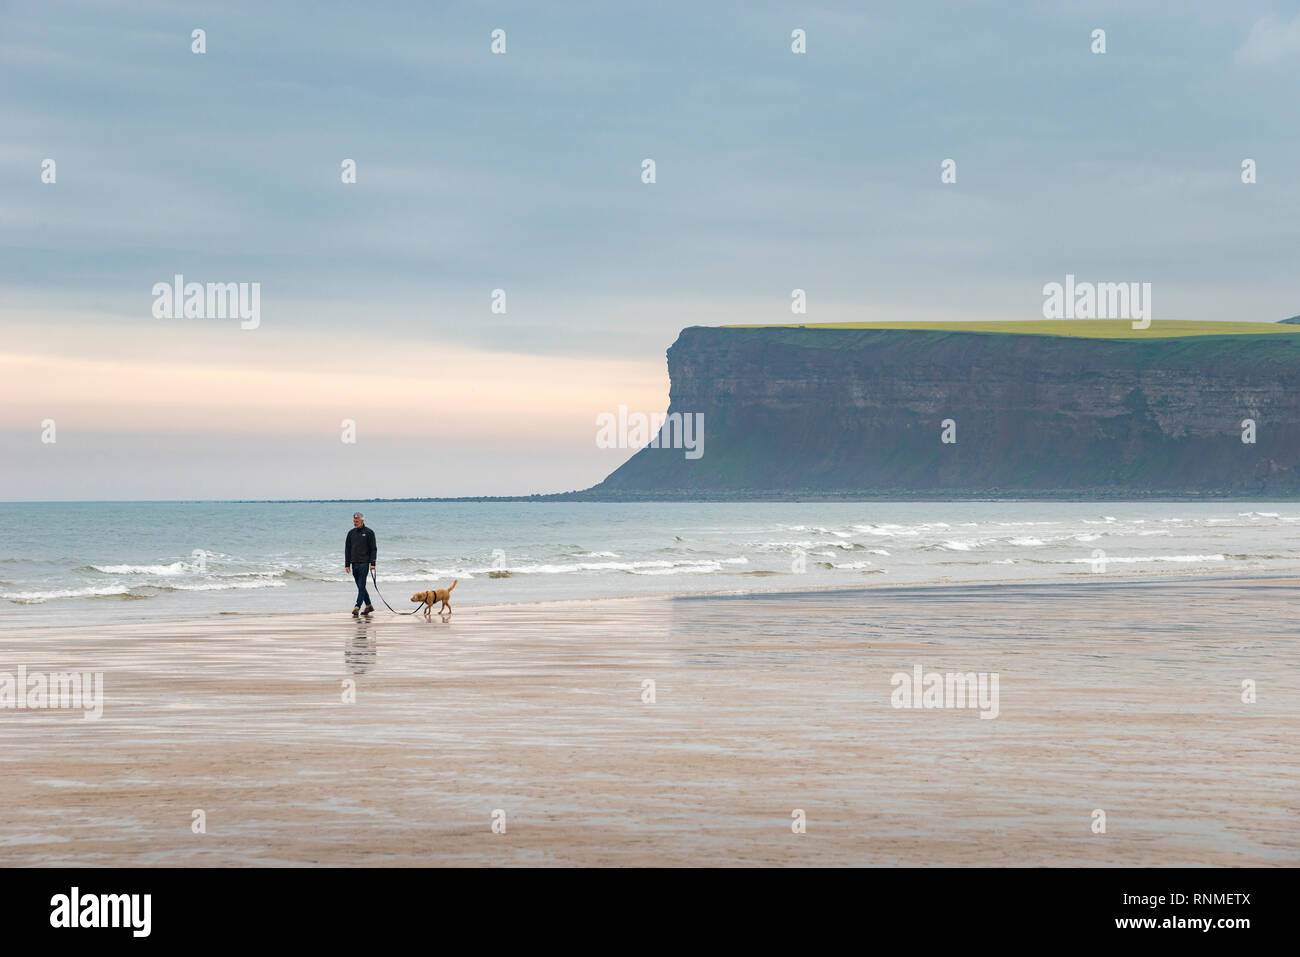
x,y
375,581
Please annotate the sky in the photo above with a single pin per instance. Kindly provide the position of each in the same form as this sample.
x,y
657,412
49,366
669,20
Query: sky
x,y
522,171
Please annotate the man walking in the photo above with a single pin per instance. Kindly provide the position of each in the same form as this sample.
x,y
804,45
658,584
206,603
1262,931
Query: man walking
x,y
359,554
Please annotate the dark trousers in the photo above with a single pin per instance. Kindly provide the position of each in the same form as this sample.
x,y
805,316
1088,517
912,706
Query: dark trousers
x,y
359,572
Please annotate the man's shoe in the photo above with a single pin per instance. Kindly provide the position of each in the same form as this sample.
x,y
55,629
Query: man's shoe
x,y
370,610
356,611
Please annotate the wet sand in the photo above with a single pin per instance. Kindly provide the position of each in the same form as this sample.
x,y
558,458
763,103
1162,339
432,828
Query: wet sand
x,y
1116,696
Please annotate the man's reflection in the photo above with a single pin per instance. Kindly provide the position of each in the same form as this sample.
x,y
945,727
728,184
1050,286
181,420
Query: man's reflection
x,y
361,650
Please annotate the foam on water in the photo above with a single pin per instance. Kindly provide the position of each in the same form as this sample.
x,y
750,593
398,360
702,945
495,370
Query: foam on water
x,y
199,559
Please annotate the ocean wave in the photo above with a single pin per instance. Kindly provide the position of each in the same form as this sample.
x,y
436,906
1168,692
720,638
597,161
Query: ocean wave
x,y
534,568
865,567
911,531
649,566
295,574
40,597
961,545
418,575
806,545
179,569
696,569
1137,559
175,568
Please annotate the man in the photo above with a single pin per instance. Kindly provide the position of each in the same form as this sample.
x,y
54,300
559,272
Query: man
x,y
359,554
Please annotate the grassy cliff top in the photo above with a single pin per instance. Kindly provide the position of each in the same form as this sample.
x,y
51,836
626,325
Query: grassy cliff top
x,y
1067,328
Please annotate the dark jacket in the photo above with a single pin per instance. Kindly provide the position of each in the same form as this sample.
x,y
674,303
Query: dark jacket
x,y
360,547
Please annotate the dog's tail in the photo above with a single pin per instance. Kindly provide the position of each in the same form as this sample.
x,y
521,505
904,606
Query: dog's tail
x,y
453,583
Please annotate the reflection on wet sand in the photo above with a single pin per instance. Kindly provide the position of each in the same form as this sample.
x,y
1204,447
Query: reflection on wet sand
x,y
361,650
1123,698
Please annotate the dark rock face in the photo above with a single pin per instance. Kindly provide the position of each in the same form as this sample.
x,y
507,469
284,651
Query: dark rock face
x,y
794,412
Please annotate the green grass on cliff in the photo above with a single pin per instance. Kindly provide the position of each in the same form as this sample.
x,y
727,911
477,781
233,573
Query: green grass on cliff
x,y
1067,328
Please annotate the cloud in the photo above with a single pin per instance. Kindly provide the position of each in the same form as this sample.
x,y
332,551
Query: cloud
x,y
1270,41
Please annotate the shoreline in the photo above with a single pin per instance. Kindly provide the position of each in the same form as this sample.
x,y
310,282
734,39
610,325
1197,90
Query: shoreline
x,y
1080,579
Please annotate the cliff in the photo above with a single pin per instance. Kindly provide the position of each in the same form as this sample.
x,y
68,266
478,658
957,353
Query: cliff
x,y
794,412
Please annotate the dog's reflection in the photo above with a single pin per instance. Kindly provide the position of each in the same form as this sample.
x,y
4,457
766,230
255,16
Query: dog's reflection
x,y
361,650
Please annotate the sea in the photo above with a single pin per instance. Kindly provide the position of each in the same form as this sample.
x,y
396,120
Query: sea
x,y
92,562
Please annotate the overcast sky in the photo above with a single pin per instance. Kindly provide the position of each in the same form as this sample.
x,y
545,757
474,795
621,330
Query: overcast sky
x,y
522,172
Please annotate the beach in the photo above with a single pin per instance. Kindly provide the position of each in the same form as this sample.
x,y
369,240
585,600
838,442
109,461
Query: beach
x,y
528,734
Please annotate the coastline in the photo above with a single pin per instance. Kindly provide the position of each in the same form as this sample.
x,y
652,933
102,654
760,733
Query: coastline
x,y
785,590
1121,695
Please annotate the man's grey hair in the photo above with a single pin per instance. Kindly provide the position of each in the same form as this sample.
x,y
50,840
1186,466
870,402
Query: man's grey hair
x,y
357,515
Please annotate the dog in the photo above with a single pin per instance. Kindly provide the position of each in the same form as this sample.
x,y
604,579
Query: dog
x,y
435,595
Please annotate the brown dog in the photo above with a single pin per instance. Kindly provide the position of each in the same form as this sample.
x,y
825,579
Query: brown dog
x,y
435,595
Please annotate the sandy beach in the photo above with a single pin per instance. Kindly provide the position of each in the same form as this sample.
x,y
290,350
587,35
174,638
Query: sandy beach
x,y
1119,696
